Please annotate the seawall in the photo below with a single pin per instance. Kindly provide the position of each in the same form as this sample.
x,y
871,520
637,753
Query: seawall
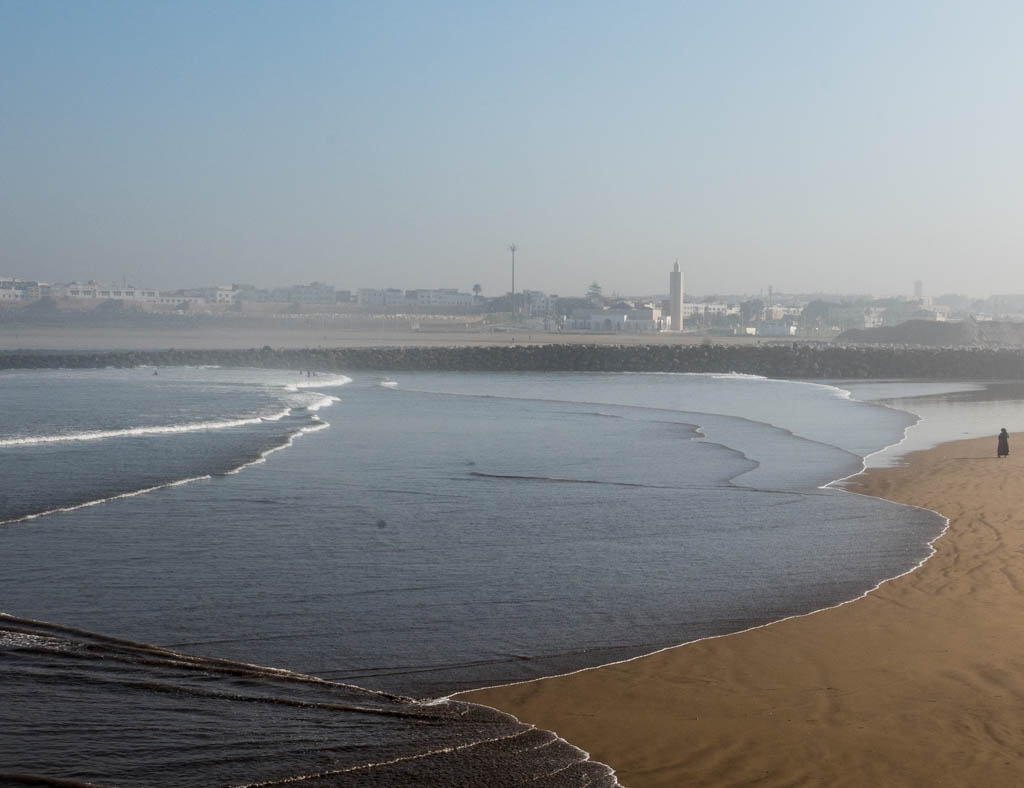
x,y
794,360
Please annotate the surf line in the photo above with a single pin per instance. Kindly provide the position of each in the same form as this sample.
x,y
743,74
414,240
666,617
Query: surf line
x,y
132,432
549,737
262,458
98,501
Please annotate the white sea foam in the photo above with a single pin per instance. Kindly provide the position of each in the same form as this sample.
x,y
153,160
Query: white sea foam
x,y
312,401
98,501
319,382
369,766
135,432
25,640
733,376
317,425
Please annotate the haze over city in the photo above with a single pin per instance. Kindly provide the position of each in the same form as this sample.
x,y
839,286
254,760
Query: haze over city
x,y
808,147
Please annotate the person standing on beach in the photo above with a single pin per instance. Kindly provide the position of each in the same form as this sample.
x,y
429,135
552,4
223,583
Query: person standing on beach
x,y
1003,447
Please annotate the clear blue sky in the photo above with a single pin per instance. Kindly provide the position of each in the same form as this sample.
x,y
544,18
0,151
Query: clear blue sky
x,y
832,146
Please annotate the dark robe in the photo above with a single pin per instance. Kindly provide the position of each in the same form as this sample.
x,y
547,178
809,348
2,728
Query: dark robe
x,y
1004,444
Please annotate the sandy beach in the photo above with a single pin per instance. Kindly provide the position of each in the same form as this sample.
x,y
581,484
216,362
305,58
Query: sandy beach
x,y
918,683
27,337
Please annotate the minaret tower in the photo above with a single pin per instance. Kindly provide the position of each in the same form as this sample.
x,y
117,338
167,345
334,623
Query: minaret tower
x,y
675,298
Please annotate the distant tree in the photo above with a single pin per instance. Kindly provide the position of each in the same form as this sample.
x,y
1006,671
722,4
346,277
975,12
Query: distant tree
x,y
956,303
477,290
896,311
816,314
752,310
498,304
594,294
723,320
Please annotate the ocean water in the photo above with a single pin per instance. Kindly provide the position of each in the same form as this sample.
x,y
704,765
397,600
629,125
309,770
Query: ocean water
x,y
945,412
240,577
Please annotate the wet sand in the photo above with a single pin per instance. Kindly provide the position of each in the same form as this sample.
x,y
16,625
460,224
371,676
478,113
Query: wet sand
x,y
921,682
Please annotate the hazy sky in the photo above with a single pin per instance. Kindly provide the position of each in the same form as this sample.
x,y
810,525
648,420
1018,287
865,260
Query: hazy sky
x,y
833,146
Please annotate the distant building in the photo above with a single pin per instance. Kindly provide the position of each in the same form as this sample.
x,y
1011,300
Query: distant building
x,y
15,289
180,301
626,320
708,311
874,317
106,292
777,312
675,298
536,302
369,297
440,297
9,292
315,293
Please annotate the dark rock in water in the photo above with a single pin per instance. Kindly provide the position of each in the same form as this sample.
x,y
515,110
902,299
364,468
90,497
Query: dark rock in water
x,y
382,524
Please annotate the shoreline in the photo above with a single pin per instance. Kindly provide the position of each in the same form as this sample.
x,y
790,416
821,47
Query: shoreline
x,y
914,683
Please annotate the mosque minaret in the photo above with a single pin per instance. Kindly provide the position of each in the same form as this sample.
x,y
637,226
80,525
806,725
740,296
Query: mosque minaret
x,y
675,290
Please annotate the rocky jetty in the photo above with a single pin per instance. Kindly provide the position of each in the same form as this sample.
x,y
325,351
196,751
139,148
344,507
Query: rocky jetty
x,y
784,360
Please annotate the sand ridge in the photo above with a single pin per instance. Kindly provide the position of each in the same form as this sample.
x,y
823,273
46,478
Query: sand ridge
x,y
921,682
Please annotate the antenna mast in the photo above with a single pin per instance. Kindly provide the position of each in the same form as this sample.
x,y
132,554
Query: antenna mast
x,y
512,248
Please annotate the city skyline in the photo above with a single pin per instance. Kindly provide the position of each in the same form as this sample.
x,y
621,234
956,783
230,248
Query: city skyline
x,y
822,148
914,289
582,293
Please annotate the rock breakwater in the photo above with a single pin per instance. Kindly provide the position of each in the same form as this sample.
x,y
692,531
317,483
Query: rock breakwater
x,y
793,360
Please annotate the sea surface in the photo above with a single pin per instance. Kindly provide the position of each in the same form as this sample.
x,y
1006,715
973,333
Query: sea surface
x,y
248,577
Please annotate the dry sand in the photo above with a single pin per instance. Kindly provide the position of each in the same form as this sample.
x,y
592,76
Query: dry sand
x,y
919,683
22,337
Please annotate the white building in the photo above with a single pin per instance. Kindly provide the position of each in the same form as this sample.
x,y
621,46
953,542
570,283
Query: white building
x,y
537,302
629,321
777,312
106,292
708,311
440,297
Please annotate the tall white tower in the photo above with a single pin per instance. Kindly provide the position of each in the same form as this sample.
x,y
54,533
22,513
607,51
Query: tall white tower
x,y
675,298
